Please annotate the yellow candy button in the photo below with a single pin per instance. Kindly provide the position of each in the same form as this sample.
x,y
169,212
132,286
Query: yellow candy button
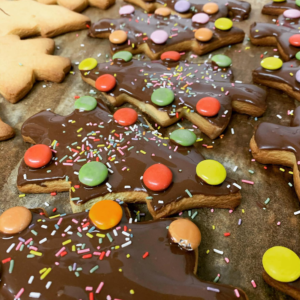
x,y
223,24
211,171
282,264
88,64
271,63
279,0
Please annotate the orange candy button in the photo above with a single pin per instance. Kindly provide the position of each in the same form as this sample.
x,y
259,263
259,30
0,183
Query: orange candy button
x,y
158,177
208,106
203,34
163,11
126,116
170,55
106,214
105,83
118,37
38,156
210,8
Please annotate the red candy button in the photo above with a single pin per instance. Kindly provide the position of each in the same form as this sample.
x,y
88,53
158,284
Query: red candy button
x,y
126,116
157,177
208,106
38,156
295,40
105,83
170,55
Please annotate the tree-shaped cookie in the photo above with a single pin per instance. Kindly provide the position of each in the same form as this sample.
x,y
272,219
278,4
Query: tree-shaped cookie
x,y
139,32
30,18
276,8
6,131
284,34
99,156
25,61
168,90
280,145
235,9
102,255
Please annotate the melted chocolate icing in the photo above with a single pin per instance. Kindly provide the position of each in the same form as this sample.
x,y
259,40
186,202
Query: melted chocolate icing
x,y
276,8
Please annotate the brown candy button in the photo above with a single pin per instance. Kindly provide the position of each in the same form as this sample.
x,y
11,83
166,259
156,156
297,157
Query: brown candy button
x,y
210,8
15,220
203,34
163,11
118,37
185,233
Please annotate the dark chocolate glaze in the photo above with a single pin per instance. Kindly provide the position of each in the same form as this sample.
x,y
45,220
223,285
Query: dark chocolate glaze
x,y
276,8
180,29
45,127
166,274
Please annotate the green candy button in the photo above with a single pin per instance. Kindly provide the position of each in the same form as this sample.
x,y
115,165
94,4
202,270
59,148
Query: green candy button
x,y
125,55
298,53
183,137
298,2
162,97
222,60
93,173
86,103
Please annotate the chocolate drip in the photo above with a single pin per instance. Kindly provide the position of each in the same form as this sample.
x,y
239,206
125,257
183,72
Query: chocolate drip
x,y
276,8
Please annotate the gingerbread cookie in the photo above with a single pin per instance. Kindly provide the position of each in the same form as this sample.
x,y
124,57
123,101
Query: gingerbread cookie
x,y
139,32
99,156
282,270
168,90
284,34
27,61
72,257
30,18
283,76
6,131
238,10
277,144
276,8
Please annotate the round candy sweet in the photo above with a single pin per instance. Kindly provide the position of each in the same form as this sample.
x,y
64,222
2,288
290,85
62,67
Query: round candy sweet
x,y
292,13
38,156
163,11
125,55
279,0
105,83
88,64
118,37
15,220
106,214
162,97
223,24
200,18
221,60
298,2
298,53
271,63
93,173
182,6
183,137
298,76
85,103
158,177
282,264
185,233
208,106
126,116
126,10
210,8
170,55
159,37
211,171
294,40
203,34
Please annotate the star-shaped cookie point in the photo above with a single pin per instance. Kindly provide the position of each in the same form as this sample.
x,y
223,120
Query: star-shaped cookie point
x,y
26,61
69,257
276,8
96,158
6,131
280,145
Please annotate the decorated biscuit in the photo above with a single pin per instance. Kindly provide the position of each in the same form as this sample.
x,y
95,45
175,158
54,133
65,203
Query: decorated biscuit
x,y
69,257
6,131
168,90
96,157
277,7
139,32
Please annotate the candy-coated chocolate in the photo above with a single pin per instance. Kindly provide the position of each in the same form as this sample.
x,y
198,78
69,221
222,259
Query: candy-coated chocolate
x,y
223,61
182,6
158,177
170,55
185,233
118,37
282,264
298,76
279,0
271,63
93,173
292,13
15,220
183,137
85,103
106,214
223,24
203,34
297,2
210,8
159,37
126,116
163,11
162,97
88,64
298,55
294,40
38,156
211,171
200,18
105,83
208,106
125,55
126,10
